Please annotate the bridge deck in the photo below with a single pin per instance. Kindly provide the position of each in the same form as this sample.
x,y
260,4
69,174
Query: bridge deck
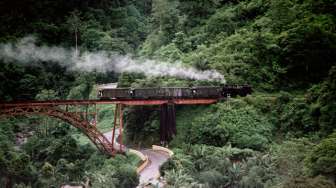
x,y
112,101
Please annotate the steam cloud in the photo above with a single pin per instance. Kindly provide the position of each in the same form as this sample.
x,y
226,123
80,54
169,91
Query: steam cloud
x,y
26,51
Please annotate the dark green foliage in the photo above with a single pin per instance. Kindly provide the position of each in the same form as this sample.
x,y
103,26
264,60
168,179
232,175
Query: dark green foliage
x,y
117,172
23,82
234,123
327,101
273,45
322,101
127,177
53,159
118,27
212,178
217,167
322,159
83,87
56,158
303,182
288,157
51,149
197,11
141,122
293,114
14,165
303,51
232,167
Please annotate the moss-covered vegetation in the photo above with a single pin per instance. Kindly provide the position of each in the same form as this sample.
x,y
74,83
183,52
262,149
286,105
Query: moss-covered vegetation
x,y
281,136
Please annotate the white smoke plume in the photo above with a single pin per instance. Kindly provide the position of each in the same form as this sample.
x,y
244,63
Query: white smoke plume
x,y
26,51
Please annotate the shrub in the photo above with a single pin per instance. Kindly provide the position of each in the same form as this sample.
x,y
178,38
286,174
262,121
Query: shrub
x,y
295,115
304,182
127,177
322,159
327,99
236,123
289,156
213,178
213,166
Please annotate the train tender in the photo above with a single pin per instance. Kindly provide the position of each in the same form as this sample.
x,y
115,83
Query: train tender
x,y
213,92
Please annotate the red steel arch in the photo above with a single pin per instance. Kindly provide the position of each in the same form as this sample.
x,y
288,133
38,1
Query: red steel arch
x,y
91,131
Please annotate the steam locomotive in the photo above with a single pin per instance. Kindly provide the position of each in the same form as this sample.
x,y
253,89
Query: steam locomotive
x,y
213,92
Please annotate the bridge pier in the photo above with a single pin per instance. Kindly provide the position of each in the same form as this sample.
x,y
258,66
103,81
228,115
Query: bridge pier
x,y
118,120
167,123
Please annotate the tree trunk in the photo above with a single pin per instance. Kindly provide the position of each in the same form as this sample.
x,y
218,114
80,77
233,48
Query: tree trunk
x,y
76,43
8,183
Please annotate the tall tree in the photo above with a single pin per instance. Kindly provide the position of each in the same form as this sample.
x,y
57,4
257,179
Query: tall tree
x,y
165,16
74,22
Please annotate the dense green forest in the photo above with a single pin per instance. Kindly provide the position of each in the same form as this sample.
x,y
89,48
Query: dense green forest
x,y
283,135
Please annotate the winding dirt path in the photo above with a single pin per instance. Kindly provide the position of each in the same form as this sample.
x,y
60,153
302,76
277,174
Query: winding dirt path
x,y
150,174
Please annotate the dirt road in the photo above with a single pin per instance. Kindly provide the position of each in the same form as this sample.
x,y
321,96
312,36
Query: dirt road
x,y
150,173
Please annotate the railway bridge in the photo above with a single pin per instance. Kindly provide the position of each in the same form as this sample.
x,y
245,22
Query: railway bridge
x,y
79,114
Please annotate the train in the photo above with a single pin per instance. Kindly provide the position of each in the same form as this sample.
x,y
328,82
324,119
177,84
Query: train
x,y
212,92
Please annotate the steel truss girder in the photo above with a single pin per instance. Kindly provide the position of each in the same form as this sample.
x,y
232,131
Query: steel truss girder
x,y
74,119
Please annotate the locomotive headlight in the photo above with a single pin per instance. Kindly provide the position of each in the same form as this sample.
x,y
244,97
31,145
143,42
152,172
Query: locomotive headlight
x,y
100,93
